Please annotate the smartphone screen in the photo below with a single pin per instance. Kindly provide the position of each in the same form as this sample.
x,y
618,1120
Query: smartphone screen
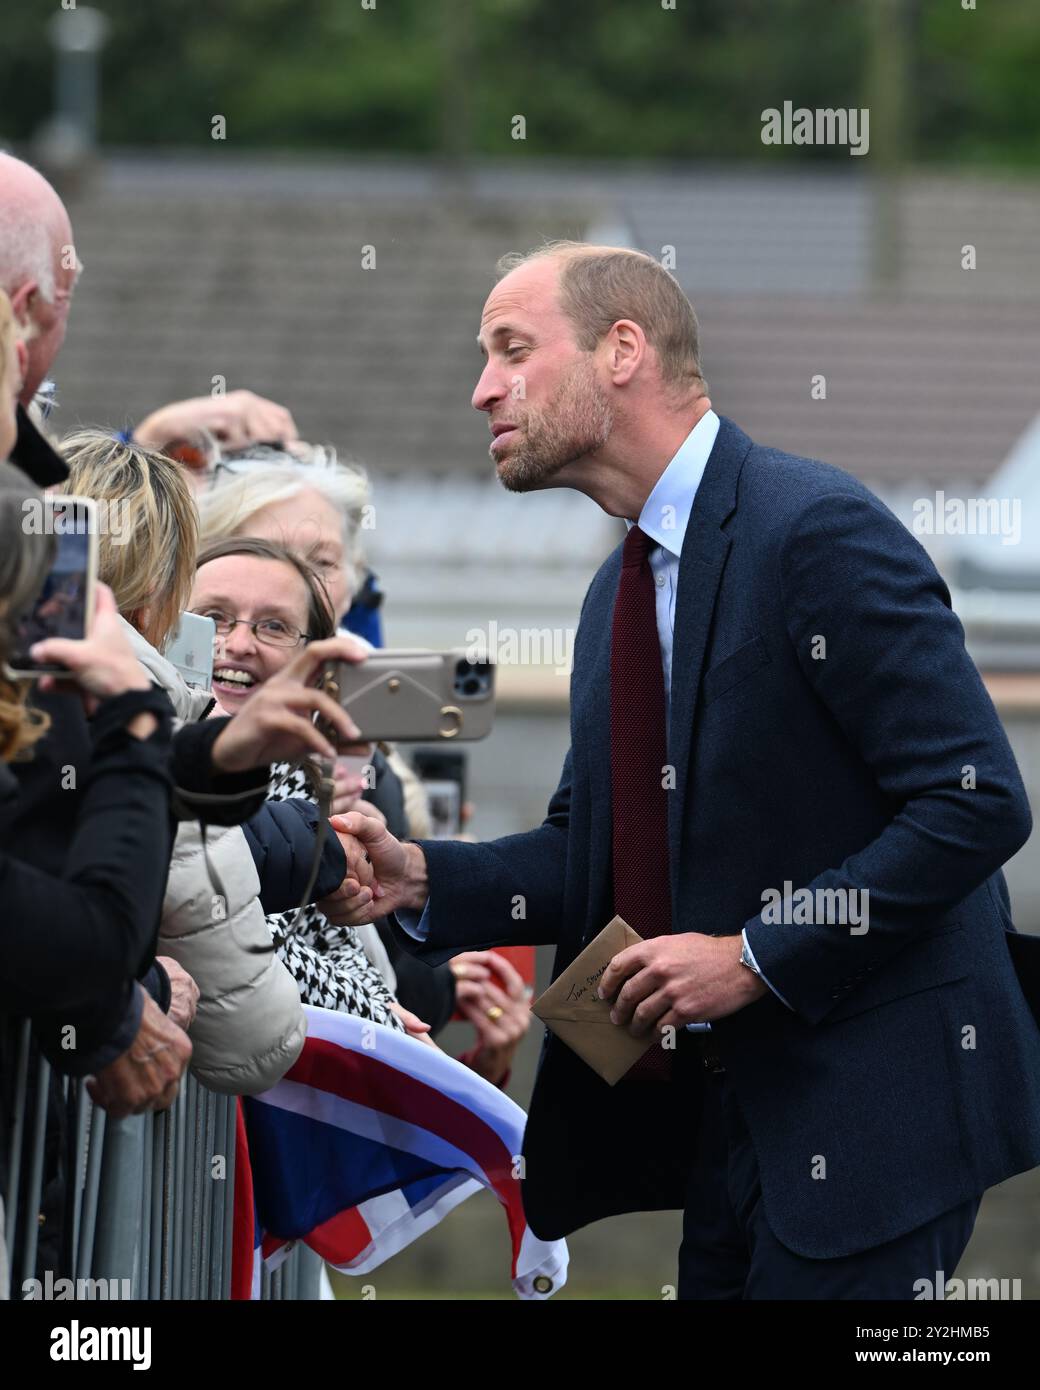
x,y
63,605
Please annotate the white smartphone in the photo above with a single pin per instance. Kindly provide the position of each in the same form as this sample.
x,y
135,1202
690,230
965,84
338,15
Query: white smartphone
x,y
64,606
190,649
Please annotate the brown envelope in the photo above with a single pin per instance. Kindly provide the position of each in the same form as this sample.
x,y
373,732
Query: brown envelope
x,y
578,1017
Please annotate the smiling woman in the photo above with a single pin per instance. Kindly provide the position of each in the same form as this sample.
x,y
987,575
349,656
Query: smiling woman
x,y
266,602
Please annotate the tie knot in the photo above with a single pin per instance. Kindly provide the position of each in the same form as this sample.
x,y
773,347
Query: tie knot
x,y
638,546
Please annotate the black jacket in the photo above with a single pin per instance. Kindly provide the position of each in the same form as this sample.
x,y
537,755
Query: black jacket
x,y
281,837
39,827
82,900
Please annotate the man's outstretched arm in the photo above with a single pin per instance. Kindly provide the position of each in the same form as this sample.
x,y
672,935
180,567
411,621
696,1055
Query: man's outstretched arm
x,y
507,892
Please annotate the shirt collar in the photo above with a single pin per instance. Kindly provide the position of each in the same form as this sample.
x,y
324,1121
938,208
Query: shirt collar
x,y
666,512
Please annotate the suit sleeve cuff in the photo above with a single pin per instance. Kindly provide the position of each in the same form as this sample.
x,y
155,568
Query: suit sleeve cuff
x,y
758,972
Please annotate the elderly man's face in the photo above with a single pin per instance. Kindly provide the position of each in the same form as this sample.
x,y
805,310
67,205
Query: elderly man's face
x,y
545,405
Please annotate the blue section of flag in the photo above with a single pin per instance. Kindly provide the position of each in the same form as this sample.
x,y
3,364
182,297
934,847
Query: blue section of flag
x,y
306,1171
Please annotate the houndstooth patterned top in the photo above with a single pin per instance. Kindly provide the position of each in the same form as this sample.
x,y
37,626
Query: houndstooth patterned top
x,y
327,962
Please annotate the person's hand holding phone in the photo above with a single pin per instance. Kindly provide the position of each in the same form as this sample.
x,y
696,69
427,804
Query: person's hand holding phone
x,y
276,723
100,665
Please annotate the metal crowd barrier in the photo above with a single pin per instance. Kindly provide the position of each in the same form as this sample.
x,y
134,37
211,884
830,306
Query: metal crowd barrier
x,y
151,1201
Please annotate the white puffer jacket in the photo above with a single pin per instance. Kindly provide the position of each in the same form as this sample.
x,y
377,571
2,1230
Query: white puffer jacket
x,y
250,1026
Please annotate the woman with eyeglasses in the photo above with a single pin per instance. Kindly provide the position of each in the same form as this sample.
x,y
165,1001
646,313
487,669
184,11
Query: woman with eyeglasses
x,y
266,602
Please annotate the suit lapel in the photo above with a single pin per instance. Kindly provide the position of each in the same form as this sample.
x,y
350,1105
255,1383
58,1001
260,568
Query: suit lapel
x,y
701,563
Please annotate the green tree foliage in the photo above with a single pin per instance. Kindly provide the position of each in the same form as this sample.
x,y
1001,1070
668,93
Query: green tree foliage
x,y
592,78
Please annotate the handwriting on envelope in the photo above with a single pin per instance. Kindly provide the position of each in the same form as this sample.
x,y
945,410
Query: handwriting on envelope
x,y
573,1011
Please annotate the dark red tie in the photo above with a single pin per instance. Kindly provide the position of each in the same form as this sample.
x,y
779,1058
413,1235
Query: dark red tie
x,y
638,755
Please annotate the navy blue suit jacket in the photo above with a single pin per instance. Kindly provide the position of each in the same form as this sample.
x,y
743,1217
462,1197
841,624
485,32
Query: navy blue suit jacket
x,y
828,730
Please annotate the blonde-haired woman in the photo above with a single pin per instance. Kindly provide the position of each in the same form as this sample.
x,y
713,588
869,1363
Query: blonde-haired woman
x,y
149,528
247,1027
152,540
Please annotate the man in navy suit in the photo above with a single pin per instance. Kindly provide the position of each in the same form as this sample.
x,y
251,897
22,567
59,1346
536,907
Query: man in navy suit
x,y
786,774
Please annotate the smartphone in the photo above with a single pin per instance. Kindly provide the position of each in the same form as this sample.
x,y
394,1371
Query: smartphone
x,y
443,774
414,695
64,606
190,649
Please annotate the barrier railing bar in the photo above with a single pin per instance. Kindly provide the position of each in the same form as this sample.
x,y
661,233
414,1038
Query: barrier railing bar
x,y
91,1189
78,1176
218,1189
229,1198
144,1243
177,1215
14,1159
32,1233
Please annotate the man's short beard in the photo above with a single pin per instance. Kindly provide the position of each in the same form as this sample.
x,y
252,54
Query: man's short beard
x,y
577,421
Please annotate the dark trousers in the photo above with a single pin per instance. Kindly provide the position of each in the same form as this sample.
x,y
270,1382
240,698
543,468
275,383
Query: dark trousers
x,y
729,1252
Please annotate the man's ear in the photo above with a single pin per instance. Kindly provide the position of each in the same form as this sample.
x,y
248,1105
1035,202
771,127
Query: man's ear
x,y
22,302
627,351
22,358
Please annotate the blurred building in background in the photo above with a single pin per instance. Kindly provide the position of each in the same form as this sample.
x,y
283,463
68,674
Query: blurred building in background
x,y
352,290
838,320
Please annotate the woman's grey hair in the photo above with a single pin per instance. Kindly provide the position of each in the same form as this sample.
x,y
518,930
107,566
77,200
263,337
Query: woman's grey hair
x,y
245,482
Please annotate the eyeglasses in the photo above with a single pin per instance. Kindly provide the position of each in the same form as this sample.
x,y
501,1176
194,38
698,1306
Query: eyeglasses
x,y
271,631
273,455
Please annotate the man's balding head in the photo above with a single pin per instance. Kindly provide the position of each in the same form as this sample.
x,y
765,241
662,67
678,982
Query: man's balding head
x,y
38,264
599,285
